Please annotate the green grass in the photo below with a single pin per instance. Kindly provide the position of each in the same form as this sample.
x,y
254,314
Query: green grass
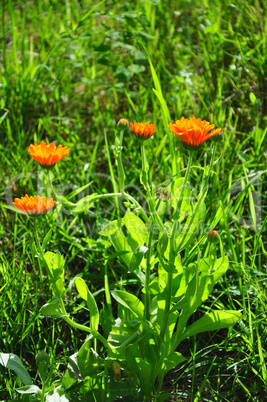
x,y
70,70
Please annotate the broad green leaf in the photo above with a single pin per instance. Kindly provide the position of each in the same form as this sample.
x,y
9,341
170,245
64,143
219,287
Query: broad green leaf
x,y
198,291
137,257
56,397
164,250
81,288
215,320
109,229
139,367
161,301
29,389
55,263
51,308
85,293
12,362
129,301
136,227
89,361
121,245
181,281
220,267
121,335
172,362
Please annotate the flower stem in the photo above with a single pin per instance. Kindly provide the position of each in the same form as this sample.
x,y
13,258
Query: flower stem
x,y
106,285
189,164
169,281
150,201
147,277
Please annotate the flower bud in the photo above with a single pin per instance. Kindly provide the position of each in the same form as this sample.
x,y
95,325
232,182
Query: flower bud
x,y
123,124
213,236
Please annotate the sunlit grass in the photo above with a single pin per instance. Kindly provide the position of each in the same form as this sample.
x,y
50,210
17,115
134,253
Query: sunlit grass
x,y
68,75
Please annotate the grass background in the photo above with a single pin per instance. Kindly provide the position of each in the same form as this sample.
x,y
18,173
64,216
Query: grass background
x,y
69,71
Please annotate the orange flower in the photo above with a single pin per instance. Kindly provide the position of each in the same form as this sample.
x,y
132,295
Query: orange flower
x,y
143,130
34,205
48,155
193,132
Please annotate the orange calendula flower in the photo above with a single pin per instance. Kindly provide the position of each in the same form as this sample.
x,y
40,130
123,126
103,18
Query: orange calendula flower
x,y
34,205
193,132
143,130
48,155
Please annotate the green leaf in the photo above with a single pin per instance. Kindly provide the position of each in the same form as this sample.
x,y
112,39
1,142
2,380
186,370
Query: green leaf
x,y
33,247
137,257
12,362
29,389
109,229
89,362
56,397
172,362
55,263
121,245
79,190
47,239
84,204
252,98
139,367
51,308
129,301
164,107
192,226
220,267
136,227
136,69
91,303
215,320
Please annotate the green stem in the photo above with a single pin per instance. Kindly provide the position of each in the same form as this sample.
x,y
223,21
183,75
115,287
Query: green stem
x,y
147,277
119,161
189,164
43,392
169,281
206,177
115,187
106,285
150,201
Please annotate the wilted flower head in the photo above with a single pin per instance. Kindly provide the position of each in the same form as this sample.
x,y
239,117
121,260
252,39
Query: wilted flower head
x,y
47,155
143,130
163,194
193,132
34,205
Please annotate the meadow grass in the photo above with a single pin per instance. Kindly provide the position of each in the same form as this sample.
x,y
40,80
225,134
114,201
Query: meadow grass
x,y
70,70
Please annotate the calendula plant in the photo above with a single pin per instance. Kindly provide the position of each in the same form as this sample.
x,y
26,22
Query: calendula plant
x,y
140,336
